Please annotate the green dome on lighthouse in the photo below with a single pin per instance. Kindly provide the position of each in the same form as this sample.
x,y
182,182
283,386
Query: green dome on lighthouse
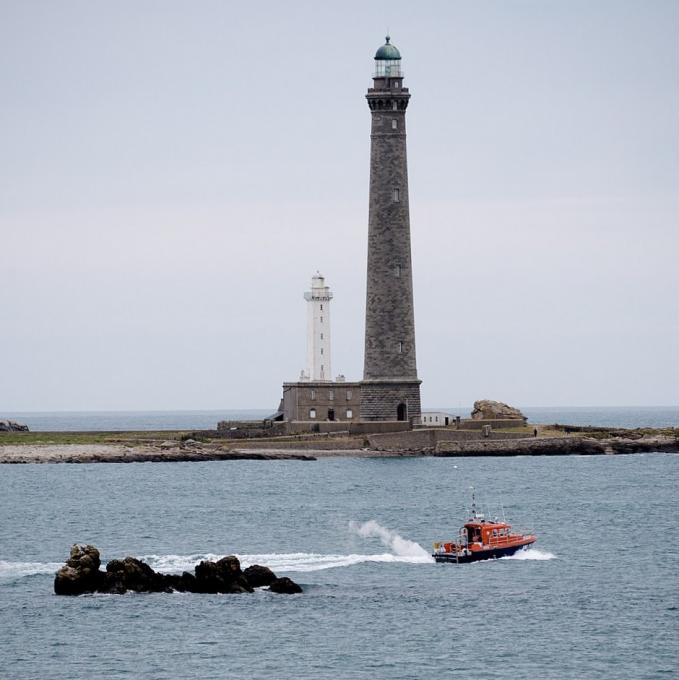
x,y
387,51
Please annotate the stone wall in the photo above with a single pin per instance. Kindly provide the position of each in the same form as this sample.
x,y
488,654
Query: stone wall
x,y
523,446
468,424
300,427
430,439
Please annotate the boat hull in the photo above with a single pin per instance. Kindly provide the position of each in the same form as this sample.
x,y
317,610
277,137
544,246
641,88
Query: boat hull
x,y
478,555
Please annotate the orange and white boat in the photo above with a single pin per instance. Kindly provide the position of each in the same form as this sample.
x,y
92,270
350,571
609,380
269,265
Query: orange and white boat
x,y
481,539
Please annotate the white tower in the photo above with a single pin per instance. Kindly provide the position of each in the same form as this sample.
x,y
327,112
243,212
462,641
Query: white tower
x,y
318,330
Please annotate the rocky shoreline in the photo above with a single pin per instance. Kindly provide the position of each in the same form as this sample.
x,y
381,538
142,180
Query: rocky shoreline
x,y
163,452
82,575
105,453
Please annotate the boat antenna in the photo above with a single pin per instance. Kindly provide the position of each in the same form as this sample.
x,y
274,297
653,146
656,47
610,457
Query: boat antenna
x,y
504,519
473,502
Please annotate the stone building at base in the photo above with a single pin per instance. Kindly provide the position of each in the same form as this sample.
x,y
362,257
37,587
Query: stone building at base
x,y
320,401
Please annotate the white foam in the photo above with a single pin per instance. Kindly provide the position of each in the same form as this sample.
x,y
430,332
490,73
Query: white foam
x,y
284,562
11,570
531,554
401,550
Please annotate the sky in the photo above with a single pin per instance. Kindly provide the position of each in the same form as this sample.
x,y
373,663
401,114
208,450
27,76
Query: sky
x,y
172,173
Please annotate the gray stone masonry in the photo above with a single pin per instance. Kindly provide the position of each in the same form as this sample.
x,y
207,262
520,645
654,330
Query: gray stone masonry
x,y
390,384
341,400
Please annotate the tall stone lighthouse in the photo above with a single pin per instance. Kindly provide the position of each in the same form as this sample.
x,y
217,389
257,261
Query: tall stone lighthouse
x,y
390,389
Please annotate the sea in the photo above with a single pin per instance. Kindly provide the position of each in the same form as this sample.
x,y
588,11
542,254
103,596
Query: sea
x,y
597,597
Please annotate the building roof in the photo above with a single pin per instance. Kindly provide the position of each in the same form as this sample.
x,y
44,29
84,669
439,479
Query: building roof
x,y
388,51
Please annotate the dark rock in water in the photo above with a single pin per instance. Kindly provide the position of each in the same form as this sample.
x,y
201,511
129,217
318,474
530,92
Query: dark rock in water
x,y
223,576
133,574
285,585
258,576
11,426
81,574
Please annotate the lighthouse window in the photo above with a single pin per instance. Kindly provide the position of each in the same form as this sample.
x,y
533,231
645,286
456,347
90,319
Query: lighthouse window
x,y
393,106
321,307
331,395
396,195
394,125
312,413
321,336
348,395
397,271
400,347
313,394
321,319
350,413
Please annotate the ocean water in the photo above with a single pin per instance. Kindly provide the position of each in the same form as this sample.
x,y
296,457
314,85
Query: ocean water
x,y
626,416
598,597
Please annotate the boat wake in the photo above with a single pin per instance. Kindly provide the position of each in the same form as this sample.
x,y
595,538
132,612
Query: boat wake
x,y
400,550
531,554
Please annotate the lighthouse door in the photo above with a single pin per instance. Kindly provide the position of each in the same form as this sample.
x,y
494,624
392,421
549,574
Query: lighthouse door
x,y
401,412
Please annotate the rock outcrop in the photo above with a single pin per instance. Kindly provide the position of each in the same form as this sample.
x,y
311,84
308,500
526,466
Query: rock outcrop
x,y
285,585
12,426
486,409
81,574
258,576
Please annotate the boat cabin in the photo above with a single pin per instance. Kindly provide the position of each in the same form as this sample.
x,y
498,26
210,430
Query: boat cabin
x,y
487,533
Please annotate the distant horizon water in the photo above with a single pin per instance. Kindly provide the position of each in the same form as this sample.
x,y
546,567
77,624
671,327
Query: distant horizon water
x,y
60,421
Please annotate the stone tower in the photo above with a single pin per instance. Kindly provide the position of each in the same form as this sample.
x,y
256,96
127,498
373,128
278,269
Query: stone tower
x,y
318,330
390,389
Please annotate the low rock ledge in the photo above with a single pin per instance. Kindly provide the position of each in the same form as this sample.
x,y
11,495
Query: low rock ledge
x,y
81,574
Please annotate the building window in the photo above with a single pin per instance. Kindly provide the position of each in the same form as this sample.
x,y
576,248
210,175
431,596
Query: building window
x,y
394,125
321,306
331,394
437,419
397,195
400,347
397,271
313,393
348,395
312,413
394,106
350,413
396,84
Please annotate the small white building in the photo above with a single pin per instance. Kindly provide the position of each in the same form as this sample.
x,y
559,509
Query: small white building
x,y
318,331
437,418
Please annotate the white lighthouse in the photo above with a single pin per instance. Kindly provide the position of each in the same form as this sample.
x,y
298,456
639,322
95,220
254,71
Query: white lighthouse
x,y
318,330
